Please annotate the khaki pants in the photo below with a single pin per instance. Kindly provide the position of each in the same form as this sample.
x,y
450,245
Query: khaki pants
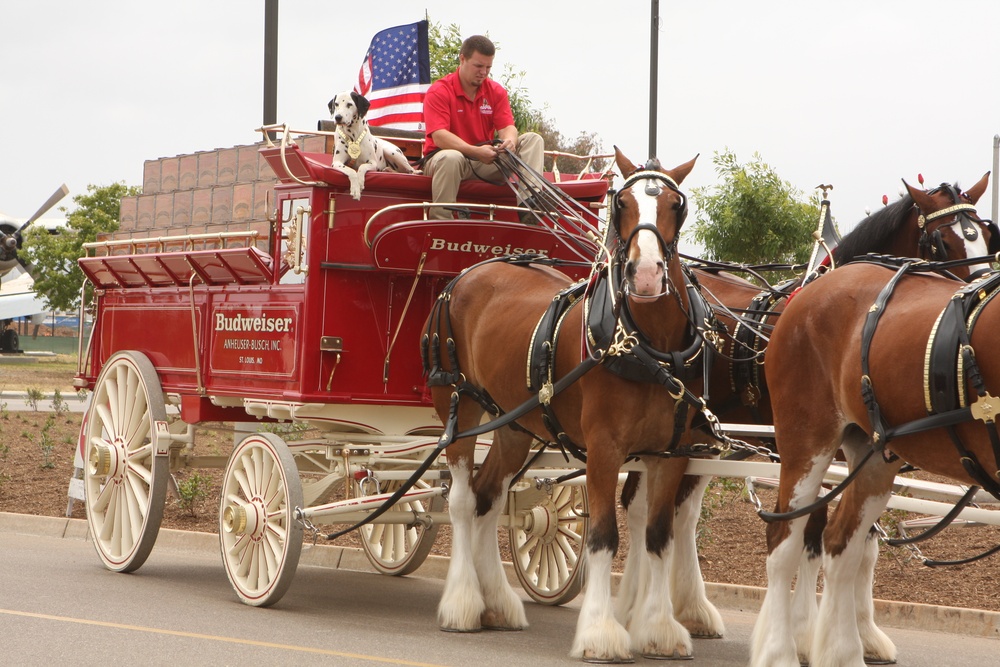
x,y
448,168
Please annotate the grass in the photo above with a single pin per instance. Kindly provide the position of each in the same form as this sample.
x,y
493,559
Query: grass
x,y
46,374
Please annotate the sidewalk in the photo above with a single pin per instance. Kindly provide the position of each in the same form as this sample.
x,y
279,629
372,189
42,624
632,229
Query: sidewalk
x,y
970,622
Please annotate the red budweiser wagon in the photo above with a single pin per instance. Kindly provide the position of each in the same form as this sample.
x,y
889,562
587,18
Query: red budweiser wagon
x,y
317,325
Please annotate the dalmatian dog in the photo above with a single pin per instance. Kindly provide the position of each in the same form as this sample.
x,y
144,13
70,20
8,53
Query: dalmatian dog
x,y
356,151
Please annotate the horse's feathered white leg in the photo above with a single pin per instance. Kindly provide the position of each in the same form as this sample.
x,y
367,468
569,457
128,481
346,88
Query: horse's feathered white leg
x,y
462,604
877,645
692,607
836,641
655,631
504,609
598,635
772,643
804,603
635,576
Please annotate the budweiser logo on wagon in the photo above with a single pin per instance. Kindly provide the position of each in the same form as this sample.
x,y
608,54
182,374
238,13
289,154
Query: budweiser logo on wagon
x,y
250,341
264,322
484,248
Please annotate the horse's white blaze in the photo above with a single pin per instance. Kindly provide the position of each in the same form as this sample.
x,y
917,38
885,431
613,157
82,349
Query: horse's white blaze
x,y
977,248
649,264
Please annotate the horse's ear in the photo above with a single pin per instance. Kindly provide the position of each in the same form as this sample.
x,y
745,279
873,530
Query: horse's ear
x,y
977,190
920,197
680,172
625,166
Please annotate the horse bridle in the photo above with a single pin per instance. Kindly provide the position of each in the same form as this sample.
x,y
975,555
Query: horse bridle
x,y
930,235
650,174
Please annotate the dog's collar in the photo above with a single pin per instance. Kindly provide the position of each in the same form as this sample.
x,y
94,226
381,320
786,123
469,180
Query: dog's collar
x,y
353,147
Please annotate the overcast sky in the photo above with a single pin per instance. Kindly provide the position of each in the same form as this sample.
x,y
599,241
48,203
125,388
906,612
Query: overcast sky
x,y
859,94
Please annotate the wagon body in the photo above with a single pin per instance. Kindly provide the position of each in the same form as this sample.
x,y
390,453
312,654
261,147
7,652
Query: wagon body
x,y
228,323
317,324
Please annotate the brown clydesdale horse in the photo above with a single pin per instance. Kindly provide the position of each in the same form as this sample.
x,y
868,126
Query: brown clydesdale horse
x,y
849,369
479,337
921,224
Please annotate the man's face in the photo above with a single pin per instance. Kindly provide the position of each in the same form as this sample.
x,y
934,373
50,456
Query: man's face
x,y
474,69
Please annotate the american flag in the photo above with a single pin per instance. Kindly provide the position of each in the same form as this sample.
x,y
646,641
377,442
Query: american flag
x,y
395,75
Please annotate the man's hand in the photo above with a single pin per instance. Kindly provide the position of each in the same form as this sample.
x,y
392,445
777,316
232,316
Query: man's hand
x,y
486,153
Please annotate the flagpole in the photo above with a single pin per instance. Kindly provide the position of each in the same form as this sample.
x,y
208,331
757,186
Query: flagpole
x,y
270,62
653,58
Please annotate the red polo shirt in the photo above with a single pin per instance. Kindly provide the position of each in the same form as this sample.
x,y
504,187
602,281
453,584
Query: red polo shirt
x,y
476,121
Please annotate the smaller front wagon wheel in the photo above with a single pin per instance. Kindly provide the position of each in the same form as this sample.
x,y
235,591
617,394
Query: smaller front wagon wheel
x,y
260,538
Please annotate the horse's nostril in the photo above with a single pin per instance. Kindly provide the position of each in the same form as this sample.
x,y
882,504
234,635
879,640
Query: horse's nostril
x,y
630,269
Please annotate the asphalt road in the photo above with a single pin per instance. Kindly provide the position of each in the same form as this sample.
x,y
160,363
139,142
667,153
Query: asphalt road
x,y
59,606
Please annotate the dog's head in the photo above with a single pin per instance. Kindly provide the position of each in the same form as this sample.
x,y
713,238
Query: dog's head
x,y
347,107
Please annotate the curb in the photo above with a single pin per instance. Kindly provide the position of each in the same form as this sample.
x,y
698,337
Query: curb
x,y
905,615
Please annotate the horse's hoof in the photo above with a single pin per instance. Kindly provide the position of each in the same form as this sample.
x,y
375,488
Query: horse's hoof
x,y
676,655
869,660
501,628
594,660
707,635
461,631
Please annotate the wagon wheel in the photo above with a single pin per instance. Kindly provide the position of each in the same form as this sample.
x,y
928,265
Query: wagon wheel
x,y
260,538
395,548
125,481
546,547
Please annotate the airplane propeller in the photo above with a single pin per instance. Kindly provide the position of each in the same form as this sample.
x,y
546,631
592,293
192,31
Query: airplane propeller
x,y
11,237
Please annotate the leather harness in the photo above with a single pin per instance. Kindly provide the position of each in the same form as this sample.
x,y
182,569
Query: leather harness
x,y
949,366
612,339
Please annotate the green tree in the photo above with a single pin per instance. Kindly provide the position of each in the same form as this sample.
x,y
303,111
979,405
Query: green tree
x,y
444,45
752,216
53,257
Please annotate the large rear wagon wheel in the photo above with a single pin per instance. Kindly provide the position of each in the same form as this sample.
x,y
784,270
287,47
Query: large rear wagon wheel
x,y
125,480
260,537
399,549
547,546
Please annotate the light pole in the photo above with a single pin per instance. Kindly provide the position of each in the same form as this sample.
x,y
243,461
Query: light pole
x,y
654,25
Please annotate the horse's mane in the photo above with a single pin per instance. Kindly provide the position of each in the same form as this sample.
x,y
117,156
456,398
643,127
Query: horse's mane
x,y
874,233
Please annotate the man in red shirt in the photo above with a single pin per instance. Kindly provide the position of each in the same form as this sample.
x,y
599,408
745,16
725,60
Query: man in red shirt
x,y
463,112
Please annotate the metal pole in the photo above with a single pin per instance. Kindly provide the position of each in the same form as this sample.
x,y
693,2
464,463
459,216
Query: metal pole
x,y
996,173
654,25
270,62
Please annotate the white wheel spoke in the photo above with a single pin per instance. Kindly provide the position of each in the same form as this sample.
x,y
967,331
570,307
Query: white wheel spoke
x,y
107,420
138,479
135,507
237,548
100,503
566,549
111,507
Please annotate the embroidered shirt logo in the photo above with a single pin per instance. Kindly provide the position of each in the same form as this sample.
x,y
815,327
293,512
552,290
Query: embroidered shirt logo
x,y
485,109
